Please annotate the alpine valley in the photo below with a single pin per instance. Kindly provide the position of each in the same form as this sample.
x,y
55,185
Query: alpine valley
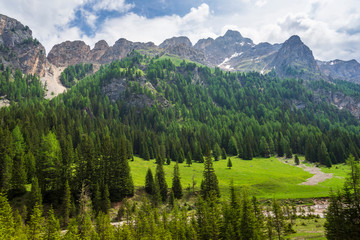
x,y
82,130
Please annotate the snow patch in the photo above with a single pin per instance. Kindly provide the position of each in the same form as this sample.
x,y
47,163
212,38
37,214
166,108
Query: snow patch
x,y
226,60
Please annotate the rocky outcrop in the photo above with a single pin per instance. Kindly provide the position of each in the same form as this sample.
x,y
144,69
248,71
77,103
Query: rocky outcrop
x,y
185,41
69,53
18,49
118,89
122,48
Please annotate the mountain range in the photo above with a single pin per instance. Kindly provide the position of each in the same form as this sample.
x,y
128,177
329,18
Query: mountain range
x,y
231,52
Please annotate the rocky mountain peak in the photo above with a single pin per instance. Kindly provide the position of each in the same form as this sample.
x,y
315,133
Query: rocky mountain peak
x,y
176,41
69,53
233,35
294,58
19,49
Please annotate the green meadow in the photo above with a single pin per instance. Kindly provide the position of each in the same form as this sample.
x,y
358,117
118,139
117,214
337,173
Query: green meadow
x,y
263,177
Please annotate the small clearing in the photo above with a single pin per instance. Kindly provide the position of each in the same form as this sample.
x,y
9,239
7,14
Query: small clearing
x,y
52,80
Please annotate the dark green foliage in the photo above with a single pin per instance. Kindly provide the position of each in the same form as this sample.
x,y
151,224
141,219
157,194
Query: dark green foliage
x,y
66,203
160,181
22,87
209,184
229,163
176,183
72,74
297,161
342,218
188,159
264,148
52,227
149,182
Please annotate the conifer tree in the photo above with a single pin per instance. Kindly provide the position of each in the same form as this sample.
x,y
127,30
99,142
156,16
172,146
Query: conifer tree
x,y
35,196
149,182
104,228
97,199
19,173
232,146
229,163
52,227
72,232
36,224
66,203
7,227
210,182
297,161
247,219
223,153
188,159
264,148
105,201
323,155
160,181
176,183
278,219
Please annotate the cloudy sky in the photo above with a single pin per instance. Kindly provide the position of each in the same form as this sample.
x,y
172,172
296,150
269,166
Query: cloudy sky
x,y
331,28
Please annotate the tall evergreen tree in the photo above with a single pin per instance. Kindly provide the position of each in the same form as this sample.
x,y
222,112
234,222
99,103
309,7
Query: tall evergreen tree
x,y
36,224
229,163
105,200
149,182
160,181
7,227
297,161
19,173
66,203
209,184
52,227
176,183
188,159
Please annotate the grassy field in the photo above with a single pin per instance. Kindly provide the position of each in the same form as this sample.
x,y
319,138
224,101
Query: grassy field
x,y
263,177
308,229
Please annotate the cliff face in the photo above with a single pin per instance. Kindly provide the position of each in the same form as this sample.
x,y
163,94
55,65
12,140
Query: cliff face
x,y
18,49
69,53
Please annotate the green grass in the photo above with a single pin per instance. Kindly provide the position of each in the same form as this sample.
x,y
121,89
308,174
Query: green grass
x,y
308,229
263,177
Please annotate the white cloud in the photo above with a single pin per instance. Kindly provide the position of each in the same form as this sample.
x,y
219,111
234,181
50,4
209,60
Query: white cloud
x,y
138,28
49,20
329,27
113,5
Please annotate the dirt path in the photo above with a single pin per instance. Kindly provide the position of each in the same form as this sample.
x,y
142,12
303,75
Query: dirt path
x,y
51,78
318,177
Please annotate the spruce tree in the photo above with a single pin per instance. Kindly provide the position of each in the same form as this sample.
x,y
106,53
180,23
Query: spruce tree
x,y
188,159
278,218
209,184
223,153
35,197
297,161
247,220
36,224
160,181
72,231
176,183
66,203
149,182
7,227
229,163
105,200
19,173
52,227
264,148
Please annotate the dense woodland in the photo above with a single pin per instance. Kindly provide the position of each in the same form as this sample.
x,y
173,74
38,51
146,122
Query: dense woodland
x,y
74,150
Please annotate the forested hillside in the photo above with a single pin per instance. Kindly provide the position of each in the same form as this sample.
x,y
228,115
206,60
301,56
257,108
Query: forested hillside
x,y
78,145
